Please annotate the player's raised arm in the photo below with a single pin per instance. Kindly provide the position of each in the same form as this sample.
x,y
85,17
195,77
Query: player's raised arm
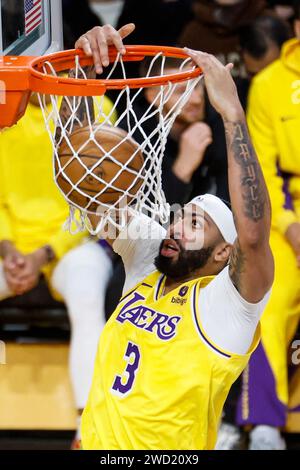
x,y
251,262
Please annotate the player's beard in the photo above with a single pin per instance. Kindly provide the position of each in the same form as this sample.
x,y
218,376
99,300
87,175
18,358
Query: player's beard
x,y
187,262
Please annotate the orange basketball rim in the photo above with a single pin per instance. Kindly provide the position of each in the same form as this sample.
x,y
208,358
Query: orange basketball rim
x,y
20,76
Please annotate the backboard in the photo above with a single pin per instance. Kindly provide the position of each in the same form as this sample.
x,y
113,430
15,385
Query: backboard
x,y
30,27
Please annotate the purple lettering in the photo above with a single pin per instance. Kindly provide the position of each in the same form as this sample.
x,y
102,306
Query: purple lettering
x,y
159,320
172,323
148,319
122,315
136,297
120,388
130,315
142,316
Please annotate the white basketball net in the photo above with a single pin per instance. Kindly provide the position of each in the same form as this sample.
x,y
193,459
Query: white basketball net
x,y
150,198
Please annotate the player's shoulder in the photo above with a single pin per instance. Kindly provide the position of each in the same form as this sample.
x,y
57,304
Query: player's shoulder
x,y
222,289
215,285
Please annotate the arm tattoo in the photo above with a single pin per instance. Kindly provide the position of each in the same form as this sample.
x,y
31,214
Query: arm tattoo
x,y
252,184
237,265
84,108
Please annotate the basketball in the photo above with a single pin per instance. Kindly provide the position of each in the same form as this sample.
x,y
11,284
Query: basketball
x,y
116,171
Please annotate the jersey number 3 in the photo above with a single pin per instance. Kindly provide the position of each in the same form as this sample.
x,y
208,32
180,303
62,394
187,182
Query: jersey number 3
x,y
123,383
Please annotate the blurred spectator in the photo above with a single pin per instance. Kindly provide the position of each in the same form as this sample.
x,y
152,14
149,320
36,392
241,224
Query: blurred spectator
x,y
78,18
273,117
32,242
261,42
215,27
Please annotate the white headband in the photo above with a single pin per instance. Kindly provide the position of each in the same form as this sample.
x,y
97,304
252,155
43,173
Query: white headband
x,y
219,213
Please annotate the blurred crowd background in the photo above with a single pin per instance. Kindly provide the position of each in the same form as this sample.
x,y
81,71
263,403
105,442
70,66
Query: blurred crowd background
x,y
58,287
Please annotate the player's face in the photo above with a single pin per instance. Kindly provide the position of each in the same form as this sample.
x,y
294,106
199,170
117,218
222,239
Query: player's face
x,y
189,245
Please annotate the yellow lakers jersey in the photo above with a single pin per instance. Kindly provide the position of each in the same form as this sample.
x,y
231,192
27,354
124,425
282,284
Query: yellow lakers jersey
x,y
159,381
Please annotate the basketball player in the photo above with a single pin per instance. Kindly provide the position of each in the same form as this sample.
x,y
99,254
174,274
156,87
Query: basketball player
x,y
188,321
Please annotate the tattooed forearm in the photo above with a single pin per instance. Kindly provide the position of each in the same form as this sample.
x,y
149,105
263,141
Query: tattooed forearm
x,y
252,186
250,264
76,111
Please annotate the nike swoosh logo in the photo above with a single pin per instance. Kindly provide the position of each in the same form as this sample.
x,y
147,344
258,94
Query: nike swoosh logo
x,y
287,118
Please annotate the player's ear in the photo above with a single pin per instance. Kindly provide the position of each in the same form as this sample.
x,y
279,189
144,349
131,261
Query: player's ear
x,y
222,252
